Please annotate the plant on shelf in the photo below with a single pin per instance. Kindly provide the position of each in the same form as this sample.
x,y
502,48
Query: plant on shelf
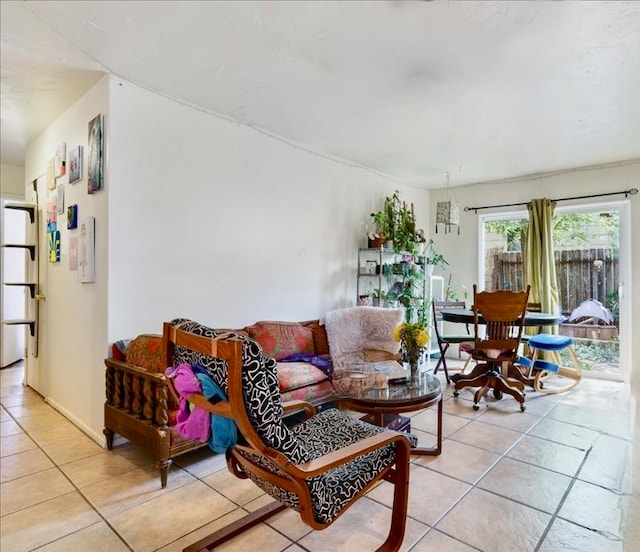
x,y
378,296
376,228
382,224
432,257
420,241
396,222
405,234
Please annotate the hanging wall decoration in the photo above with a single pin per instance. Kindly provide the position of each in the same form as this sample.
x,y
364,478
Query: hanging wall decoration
x,y
54,246
448,210
73,254
52,217
51,177
60,199
72,217
87,251
95,169
75,164
60,160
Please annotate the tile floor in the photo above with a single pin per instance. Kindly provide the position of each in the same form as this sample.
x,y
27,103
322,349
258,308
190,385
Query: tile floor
x,y
557,477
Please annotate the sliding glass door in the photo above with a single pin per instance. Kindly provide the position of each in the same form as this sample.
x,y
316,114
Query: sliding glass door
x,y
591,252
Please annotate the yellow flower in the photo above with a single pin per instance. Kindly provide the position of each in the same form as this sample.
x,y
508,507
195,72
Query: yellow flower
x,y
413,337
422,338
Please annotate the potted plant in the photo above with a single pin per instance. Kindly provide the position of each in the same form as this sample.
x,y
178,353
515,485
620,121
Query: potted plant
x,y
385,221
420,241
378,296
377,228
433,258
404,238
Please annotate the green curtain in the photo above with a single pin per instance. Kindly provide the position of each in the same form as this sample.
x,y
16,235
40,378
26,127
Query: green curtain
x,y
539,259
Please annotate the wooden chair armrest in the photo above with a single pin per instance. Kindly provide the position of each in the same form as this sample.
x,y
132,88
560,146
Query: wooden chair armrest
x,y
348,453
158,377
291,406
221,408
133,390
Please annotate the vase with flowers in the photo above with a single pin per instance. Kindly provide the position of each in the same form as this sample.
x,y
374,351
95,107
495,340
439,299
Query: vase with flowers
x,y
413,338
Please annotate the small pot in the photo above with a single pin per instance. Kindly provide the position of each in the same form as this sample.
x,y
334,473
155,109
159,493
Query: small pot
x,y
376,243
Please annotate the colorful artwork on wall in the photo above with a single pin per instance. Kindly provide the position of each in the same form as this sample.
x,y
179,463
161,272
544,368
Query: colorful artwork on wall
x,y
73,254
54,246
87,251
75,164
95,169
60,199
51,178
60,160
72,217
52,217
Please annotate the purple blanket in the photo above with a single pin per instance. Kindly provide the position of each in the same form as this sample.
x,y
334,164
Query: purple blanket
x,y
324,363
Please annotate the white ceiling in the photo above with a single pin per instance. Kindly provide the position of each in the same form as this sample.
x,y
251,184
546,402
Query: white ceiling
x,y
413,90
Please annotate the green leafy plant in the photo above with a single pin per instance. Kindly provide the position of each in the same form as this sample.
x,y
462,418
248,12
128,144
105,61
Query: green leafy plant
x,y
385,220
379,294
433,257
396,222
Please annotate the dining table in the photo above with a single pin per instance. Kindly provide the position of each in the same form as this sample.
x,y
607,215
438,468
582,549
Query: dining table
x,y
531,319
465,316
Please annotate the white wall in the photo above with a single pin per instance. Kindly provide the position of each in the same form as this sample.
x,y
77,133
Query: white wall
x,y
200,217
462,251
224,224
11,181
69,369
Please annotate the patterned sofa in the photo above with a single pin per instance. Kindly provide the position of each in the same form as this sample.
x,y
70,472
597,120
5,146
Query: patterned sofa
x,y
301,350
139,406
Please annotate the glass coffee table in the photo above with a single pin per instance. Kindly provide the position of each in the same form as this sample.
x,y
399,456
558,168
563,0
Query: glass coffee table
x,y
381,390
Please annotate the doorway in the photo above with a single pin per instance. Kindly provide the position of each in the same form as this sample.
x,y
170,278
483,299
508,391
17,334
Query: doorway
x,y
12,230
591,247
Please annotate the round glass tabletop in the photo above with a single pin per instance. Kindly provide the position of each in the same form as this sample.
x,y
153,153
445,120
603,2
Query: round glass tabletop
x,y
369,383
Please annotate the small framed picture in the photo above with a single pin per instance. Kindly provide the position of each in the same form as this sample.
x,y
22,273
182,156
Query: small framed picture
x,y
72,217
95,168
60,199
60,160
75,164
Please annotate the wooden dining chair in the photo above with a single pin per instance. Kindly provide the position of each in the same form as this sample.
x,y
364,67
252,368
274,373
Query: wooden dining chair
x,y
445,340
502,314
319,467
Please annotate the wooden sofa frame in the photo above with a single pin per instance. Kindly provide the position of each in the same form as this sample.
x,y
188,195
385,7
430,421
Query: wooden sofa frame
x,y
140,413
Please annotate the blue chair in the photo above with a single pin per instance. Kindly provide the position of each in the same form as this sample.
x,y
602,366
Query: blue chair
x,y
542,370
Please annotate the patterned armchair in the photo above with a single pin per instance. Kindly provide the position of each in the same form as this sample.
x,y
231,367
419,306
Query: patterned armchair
x,y
319,467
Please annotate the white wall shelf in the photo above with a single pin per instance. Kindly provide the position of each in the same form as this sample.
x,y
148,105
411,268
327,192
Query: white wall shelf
x,y
31,283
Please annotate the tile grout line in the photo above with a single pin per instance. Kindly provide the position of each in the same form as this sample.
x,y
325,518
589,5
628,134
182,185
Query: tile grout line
x,y
501,457
75,487
554,515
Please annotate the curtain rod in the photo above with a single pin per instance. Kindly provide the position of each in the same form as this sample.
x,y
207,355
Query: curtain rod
x,y
631,191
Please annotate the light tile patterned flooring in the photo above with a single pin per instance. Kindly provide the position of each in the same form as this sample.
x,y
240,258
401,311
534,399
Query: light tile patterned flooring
x,y
557,477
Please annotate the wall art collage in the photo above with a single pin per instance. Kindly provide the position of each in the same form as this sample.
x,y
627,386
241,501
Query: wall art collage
x,y
82,246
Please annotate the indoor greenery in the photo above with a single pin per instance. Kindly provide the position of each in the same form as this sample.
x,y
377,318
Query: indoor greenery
x,y
396,222
433,257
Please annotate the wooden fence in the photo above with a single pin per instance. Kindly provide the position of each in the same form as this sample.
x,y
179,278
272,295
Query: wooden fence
x,y
582,274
